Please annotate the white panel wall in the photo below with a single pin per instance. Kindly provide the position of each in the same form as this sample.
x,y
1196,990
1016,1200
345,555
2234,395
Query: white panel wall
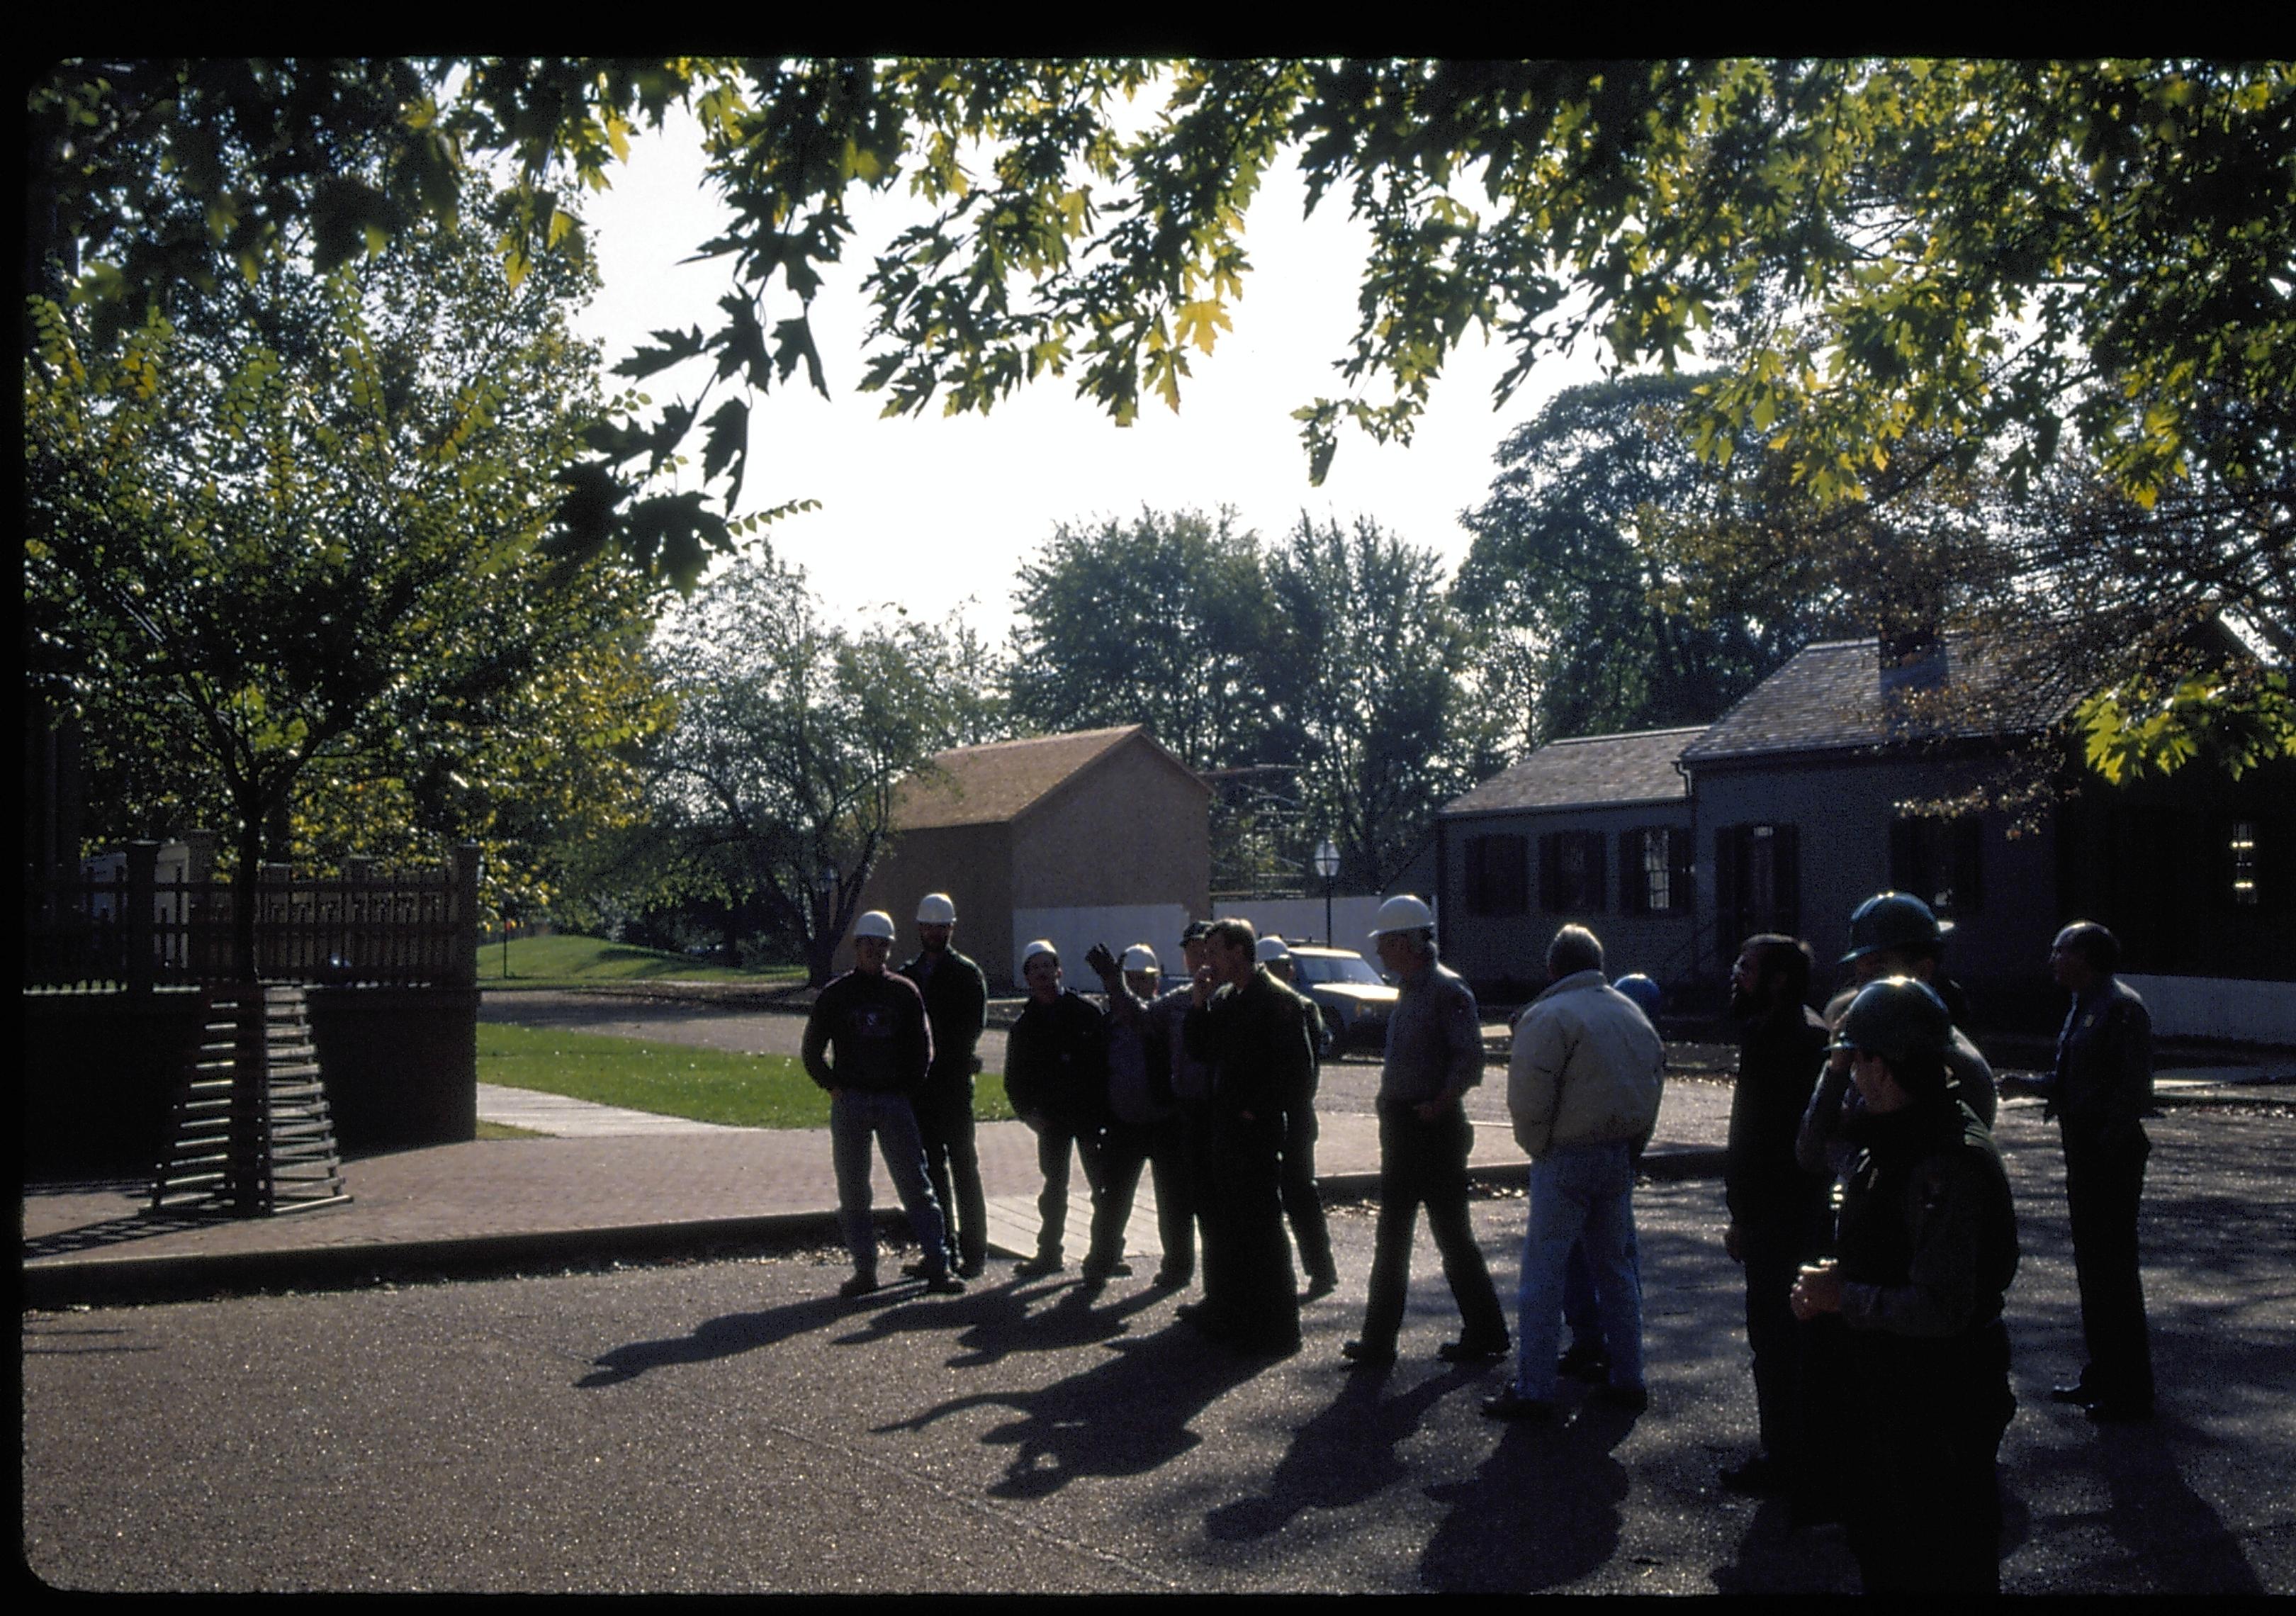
x,y
2218,1007
1300,919
1072,930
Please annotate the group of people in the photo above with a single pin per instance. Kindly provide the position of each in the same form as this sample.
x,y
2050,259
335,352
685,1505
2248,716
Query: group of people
x,y
1868,1198
1871,1211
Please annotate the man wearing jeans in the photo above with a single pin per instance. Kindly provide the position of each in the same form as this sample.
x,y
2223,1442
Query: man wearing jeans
x,y
867,1044
1583,1084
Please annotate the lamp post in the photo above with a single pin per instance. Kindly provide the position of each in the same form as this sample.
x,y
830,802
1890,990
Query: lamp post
x,y
1327,865
825,883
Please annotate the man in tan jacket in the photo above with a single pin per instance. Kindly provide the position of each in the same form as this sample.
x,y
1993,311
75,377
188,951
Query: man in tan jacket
x,y
1583,1083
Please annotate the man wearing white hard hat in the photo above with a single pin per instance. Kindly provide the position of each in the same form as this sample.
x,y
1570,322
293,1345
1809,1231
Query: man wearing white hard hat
x,y
955,992
1143,1124
1056,1075
1303,1203
867,1043
1434,1055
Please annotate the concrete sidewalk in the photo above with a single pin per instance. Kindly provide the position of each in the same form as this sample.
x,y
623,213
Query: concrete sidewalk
x,y
627,1183
630,1185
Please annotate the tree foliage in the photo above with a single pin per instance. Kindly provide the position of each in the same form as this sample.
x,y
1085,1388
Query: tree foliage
x,y
1366,679
1164,620
791,737
290,575
1589,620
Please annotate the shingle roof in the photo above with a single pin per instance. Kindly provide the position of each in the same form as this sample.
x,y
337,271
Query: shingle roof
x,y
1588,771
1829,697
1000,781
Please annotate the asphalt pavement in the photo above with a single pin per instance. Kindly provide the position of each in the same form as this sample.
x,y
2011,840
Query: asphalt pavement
x,y
640,1381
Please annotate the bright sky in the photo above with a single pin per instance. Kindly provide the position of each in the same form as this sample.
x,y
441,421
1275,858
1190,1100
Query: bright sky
x,y
936,513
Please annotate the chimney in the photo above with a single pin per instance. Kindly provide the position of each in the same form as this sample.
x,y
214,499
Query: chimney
x,y
1912,659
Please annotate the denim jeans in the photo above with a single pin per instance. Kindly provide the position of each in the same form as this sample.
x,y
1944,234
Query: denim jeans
x,y
855,1115
1579,1192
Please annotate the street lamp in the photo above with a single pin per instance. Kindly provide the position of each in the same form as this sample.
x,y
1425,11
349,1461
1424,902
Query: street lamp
x,y
1327,865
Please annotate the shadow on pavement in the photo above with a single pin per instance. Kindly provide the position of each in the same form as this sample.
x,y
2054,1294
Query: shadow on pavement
x,y
722,1337
1126,1417
1542,1511
1001,1320
1341,1457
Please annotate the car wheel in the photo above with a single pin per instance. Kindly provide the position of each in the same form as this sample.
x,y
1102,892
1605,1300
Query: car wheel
x,y
1336,1028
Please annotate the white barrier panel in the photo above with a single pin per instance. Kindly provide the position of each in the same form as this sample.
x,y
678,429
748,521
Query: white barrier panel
x,y
1072,930
2218,1007
1302,920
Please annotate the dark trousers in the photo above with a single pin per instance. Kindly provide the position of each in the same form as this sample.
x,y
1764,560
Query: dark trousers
x,y
1303,1203
1773,1250
2104,1179
1425,1163
1249,1290
1920,1500
944,1123
1055,1140
1124,1150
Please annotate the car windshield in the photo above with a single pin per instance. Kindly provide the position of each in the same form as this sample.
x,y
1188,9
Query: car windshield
x,y
1318,969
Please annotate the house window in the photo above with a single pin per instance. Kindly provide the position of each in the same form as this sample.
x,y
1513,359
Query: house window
x,y
1498,874
1757,880
1941,862
1654,870
2245,892
1570,871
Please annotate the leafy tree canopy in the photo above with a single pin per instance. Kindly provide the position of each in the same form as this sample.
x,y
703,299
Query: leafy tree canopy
x,y
1164,620
289,573
1967,252
793,735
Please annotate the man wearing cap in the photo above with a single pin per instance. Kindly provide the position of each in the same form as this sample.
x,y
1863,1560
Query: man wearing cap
x,y
956,993
1926,1249
1056,1075
2099,1093
1303,1203
867,1043
1583,1080
1434,1055
1143,1124
1254,1033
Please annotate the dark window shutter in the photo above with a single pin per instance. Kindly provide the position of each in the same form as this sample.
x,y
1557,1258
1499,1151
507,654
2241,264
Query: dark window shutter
x,y
1785,857
1680,854
1729,901
1968,865
1634,892
1477,876
1906,873
1550,874
1595,865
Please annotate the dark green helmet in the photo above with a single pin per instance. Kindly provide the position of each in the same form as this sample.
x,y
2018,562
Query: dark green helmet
x,y
1893,919
1899,1019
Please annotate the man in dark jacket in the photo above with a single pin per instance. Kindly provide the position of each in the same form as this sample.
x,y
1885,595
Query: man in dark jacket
x,y
1143,1125
1254,1033
2099,1093
1303,1203
1056,1075
1775,1204
867,1043
957,1007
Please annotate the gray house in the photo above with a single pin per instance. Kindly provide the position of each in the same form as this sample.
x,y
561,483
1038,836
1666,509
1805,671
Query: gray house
x,y
1597,830
1798,804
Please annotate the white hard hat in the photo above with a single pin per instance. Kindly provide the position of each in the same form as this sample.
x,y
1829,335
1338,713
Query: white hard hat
x,y
1271,947
1041,946
1140,957
1404,912
934,909
874,923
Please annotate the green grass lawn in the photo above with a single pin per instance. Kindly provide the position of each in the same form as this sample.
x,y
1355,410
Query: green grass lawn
x,y
673,1079
567,961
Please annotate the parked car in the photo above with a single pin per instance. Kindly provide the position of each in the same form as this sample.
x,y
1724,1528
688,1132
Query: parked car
x,y
1355,999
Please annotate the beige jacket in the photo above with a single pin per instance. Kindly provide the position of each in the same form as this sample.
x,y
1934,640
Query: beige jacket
x,y
1586,1068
